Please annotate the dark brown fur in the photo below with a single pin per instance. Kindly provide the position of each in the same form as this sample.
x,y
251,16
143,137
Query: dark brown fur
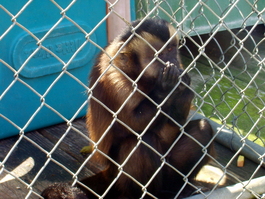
x,y
123,104
115,87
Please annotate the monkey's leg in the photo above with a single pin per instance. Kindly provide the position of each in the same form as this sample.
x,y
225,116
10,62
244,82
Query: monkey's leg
x,y
98,183
189,151
141,166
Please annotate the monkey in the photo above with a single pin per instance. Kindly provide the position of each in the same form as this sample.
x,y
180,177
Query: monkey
x,y
140,99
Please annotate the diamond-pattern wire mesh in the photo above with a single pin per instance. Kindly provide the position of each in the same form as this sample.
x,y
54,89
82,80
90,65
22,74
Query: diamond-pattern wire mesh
x,y
14,18
229,90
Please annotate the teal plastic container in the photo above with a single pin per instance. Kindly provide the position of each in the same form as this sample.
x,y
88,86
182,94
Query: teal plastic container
x,y
204,17
39,92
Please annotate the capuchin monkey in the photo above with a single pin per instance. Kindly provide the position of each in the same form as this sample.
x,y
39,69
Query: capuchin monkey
x,y
140,99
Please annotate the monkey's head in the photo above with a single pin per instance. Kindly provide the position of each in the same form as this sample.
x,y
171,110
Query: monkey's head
x,y
147,45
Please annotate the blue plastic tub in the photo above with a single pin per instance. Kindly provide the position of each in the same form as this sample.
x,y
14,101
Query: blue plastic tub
x,y
24,100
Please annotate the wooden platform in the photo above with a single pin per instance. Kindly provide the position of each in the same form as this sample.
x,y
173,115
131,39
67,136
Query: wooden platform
x,y
28,156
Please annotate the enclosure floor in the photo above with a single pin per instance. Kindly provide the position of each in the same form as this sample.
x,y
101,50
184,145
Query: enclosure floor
x,y
68,154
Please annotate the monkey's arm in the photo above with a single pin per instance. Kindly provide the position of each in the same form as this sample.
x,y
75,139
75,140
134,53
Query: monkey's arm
x,y
142,110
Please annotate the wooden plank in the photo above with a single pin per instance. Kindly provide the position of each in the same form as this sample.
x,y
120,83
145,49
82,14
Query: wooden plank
x,y
233,172
36,144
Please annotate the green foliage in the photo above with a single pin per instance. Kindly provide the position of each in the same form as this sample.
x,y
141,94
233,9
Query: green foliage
x,y
228,98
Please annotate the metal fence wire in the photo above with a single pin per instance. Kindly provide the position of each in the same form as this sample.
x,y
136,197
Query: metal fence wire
x,y
222,47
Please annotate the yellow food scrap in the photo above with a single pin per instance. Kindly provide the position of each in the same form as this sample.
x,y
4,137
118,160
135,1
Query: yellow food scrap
x,y
240,161
86,150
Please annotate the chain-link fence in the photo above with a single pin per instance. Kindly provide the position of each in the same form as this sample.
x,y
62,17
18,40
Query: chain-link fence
x,y
47,51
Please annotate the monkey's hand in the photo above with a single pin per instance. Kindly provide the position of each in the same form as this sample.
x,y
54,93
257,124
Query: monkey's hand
x,y
185,78
169,78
